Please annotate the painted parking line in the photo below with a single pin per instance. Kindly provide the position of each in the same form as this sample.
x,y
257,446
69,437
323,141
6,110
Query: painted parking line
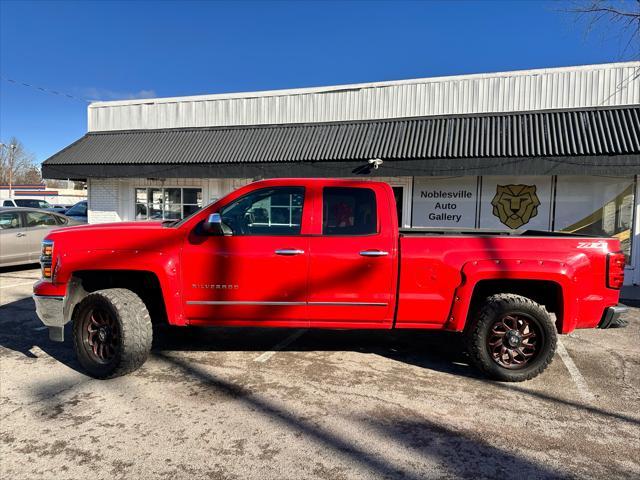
x,y
577,377
279,346
37,352
19,284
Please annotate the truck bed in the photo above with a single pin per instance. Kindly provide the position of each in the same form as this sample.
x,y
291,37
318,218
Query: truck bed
x,y
443,231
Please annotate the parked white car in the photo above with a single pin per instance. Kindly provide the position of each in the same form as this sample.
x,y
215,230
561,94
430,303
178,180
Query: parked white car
x,y
26,202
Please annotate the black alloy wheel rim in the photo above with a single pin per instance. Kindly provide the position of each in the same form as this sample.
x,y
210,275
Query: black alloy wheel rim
x,y
101,335
515,340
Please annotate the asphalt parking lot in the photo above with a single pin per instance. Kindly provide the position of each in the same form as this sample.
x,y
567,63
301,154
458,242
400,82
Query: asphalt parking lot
x,y
288,404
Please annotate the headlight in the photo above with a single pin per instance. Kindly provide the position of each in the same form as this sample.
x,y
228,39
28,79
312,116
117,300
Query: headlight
x,y
46,259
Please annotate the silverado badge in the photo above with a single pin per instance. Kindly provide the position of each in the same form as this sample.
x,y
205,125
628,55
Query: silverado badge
x,y
515,205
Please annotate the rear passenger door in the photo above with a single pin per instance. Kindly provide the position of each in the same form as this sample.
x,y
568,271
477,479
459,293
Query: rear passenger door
x,y
13,241
38,225
352,260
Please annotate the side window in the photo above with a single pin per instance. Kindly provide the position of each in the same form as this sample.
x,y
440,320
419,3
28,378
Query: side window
x,y
269,211
10,220
7,203
349,211
38,219
29,203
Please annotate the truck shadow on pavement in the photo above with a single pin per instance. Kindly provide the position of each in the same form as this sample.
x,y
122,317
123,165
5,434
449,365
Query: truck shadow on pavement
x,y
441,351
427,439
21,331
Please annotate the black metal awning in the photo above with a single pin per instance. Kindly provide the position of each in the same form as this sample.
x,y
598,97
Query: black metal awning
x,y
588,141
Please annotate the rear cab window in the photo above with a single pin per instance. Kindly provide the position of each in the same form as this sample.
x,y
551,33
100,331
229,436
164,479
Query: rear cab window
x,y
349,211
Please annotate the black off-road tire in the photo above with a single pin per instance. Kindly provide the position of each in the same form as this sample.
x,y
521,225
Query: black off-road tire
x,y
491,311
132,343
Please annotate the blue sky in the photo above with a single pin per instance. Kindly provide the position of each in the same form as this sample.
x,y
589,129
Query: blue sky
x,y
114,50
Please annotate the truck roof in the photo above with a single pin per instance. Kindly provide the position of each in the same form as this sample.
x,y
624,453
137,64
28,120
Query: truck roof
x,y
312,181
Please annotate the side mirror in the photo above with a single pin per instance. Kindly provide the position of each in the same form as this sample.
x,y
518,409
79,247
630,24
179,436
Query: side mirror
x,y
214,226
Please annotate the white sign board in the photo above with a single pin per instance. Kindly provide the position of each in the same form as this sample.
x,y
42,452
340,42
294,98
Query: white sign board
x,y
445,202
512,203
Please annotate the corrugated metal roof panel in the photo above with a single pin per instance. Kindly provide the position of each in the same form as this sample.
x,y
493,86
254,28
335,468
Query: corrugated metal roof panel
x,y
611,131
589,86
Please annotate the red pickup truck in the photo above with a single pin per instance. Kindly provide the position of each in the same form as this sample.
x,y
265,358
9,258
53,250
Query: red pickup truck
x,y
319,253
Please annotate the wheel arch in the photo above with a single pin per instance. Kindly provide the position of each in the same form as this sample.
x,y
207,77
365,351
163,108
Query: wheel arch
x,y
544,292
143,283
546,282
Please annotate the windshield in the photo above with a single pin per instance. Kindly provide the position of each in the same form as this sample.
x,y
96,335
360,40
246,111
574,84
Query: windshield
x,y
79,209
31,203
177,223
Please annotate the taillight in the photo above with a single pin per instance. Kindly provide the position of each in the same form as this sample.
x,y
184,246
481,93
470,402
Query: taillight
x,y
615,270
46,259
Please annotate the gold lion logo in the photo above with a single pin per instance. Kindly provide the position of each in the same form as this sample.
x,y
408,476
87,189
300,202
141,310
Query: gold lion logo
x,y
515,205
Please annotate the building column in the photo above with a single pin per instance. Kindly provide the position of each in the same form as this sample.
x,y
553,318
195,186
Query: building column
x,y
635,239
103,195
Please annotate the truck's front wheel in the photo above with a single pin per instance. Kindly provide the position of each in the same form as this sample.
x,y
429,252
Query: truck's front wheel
x,y
512,338
112,332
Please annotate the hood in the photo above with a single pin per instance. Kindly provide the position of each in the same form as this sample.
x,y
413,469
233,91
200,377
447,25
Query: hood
x,y
115,236
117,225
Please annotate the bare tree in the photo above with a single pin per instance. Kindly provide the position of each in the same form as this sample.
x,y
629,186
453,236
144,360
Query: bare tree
x,y
17,165
612,14
31,175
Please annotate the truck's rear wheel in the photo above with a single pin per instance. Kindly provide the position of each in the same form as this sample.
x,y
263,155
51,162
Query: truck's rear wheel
x,y
512,338
112,332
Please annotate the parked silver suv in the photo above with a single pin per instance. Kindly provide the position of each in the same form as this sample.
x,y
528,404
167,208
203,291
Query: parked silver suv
x,y
22,231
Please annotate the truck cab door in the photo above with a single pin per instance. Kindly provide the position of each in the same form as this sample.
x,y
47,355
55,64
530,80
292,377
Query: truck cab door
x,y
353,263
256,275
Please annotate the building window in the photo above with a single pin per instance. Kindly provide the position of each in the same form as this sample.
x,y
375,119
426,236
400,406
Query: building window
x,y
599,206
156,203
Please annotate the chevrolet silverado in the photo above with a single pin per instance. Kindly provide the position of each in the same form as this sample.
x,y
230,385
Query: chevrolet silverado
x,y
323,253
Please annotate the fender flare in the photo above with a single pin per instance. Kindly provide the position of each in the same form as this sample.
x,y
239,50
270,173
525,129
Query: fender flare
x,y
476,271
163,266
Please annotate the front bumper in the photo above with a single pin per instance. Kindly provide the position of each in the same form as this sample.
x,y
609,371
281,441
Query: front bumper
x,y
50,310
611,317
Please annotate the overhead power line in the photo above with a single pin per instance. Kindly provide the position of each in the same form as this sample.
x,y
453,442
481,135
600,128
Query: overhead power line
x,y
45,90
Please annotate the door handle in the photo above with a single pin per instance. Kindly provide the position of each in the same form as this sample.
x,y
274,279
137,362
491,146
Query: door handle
x,y
374,253
289,251
20,234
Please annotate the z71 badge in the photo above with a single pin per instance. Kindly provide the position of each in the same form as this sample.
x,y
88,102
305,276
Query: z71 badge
x,y
598,245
